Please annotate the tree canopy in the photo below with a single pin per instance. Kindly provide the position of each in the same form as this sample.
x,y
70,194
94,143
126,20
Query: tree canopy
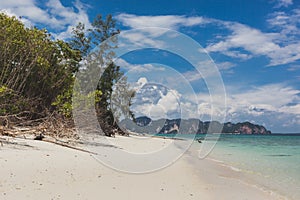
x,y
34,69
37,73
103,35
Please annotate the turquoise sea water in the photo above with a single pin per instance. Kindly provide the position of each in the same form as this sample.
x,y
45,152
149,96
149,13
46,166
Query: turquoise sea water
x,y
271,161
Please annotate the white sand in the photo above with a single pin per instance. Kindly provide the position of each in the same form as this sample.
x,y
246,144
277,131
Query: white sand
x,y
49,171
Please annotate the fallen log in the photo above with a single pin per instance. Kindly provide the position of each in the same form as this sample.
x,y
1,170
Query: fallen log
x,y
69,146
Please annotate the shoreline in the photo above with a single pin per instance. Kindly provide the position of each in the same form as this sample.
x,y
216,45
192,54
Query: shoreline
x,y
46,170
244,178
236,181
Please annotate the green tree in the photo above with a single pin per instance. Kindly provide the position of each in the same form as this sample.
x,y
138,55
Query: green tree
x,y
102,36
34,69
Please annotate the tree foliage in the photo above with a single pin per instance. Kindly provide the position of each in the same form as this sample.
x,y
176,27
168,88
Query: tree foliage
x,y
37,73
103,37
34,69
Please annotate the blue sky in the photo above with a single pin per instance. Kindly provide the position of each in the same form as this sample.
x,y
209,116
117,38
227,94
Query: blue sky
x,y
254,44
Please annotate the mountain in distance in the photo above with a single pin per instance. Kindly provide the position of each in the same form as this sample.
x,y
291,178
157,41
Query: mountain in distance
x,y
189,126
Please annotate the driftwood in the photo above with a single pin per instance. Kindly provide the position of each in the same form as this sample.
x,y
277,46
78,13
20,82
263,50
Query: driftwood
x,y
4,141
47,132
69,146
52,129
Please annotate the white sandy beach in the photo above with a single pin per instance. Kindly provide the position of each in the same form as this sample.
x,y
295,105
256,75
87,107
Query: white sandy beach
x,y
47,171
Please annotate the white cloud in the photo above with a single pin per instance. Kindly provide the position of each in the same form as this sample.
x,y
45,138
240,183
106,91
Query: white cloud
x,y
25,21
294,109
192,75
141,38
157,101
170,101
30,11
205,69
284,3
147,29
257,43
207,106
141,82
162,21
277,98
286,23
275,105
56,16
138,68
272,104
237,54
244,42
250,39
285,55
167,105
189,109
225,65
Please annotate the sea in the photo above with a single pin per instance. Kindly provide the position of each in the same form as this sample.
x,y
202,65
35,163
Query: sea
x,y
271,161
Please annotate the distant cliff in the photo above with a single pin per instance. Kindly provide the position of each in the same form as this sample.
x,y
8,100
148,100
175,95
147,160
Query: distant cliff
x,y
190,126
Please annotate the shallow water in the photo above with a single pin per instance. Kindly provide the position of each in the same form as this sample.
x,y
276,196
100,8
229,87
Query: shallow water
x,y
273,161
270,161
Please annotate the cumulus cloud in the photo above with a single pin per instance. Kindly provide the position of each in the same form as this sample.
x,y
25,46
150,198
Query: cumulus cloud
x,y
61,19
141,82
275,105
156,101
